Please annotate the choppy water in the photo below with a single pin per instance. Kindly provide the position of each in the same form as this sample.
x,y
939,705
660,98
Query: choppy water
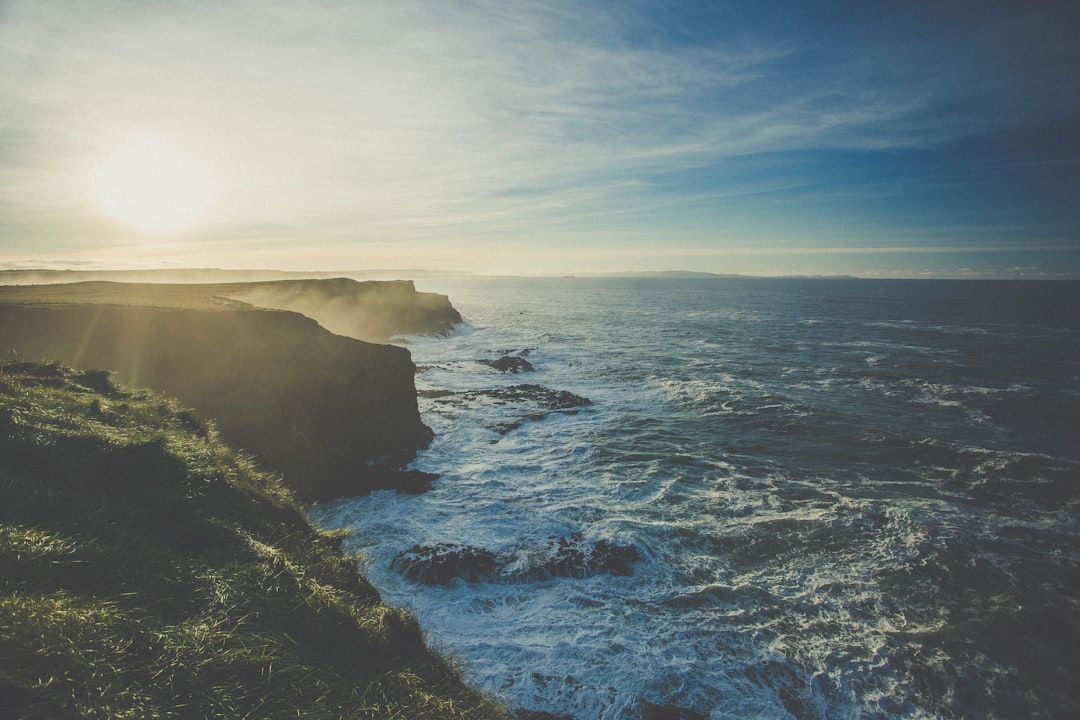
x,y
849,499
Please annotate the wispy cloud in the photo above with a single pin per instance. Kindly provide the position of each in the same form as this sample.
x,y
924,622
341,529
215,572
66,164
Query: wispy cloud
x,y
406,120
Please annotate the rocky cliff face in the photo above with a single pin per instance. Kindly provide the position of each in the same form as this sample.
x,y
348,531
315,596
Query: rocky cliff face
x,y
333,414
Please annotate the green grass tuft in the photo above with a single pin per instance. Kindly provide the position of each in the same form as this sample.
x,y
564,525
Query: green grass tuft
x,y
147,570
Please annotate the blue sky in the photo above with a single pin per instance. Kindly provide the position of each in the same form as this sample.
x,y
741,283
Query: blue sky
x,y
879,139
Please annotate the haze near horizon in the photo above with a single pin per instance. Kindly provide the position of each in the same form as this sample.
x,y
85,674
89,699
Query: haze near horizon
x,y
913,140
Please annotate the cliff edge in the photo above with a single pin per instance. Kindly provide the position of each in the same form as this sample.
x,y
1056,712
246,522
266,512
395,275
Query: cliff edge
x,y
335,415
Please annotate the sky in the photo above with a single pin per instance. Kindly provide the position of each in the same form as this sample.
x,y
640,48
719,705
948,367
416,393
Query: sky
x,y
881,139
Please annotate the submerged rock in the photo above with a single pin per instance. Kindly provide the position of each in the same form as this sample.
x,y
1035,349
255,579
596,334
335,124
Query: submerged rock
x,y
577,558
544,397
569,557
439,564
535,402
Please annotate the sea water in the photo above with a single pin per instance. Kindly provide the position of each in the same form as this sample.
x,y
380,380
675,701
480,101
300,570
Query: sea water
x,y
848,498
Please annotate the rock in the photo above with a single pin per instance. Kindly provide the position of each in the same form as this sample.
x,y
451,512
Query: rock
x,y
575,557
568,557
414,482
509,363
544,397
537,402
440,564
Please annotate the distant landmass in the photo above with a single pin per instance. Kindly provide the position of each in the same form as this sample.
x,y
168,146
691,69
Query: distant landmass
x,y
661,274
689,274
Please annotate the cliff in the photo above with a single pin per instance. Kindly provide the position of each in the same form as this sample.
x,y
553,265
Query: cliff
x,y
335,415
148,571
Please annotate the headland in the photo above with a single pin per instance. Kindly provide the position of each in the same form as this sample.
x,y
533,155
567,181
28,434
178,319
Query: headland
x,y
335,415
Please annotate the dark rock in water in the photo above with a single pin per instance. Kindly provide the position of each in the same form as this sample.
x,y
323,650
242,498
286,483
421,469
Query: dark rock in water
x,y
509,363
439,564
569,557
548,400
577,558
544,397
538,402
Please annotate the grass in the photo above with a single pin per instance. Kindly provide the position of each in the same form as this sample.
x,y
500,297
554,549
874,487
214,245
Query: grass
x,y
148,570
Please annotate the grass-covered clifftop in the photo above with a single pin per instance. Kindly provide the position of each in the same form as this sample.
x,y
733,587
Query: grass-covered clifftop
x,y
147,570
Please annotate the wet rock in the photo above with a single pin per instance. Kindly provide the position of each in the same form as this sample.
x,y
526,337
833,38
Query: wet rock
x,y
578,558
509,363
568,557
535,402
440,564
544,397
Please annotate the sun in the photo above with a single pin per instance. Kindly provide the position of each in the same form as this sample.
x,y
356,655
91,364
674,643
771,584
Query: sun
x,y
153,187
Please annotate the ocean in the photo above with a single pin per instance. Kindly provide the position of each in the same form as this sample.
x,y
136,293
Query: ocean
x,y
746,497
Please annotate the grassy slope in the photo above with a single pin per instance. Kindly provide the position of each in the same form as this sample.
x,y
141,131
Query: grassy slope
x,y
146,570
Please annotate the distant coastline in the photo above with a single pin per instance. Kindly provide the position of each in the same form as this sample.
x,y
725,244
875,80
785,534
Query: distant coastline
x,y
47,275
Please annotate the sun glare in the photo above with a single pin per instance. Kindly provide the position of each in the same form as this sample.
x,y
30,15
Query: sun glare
x,y
152,187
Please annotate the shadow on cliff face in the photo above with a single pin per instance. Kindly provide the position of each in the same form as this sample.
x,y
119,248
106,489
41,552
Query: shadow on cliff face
x,y
336,416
